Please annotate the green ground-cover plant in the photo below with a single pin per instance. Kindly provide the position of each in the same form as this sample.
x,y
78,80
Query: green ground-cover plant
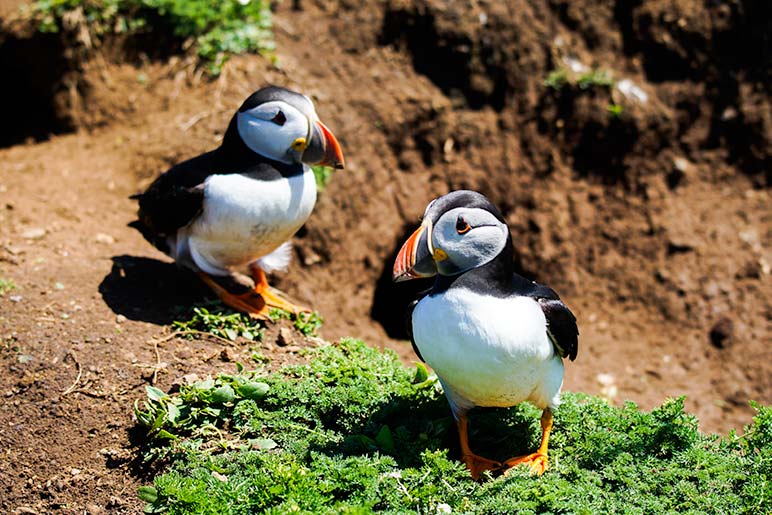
x,y
596,78
6,285
217,29
561,77
354,431
305,322
215,319
220,321
323,176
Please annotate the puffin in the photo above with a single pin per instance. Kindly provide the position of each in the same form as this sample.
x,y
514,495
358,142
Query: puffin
x,y
493,337
228,214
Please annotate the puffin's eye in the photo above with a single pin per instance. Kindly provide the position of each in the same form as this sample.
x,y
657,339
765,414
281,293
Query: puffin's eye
x,y
279,119
462,227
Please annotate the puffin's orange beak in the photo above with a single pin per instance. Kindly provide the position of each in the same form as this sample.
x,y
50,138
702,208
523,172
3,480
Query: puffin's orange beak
x,y
333,155
414,259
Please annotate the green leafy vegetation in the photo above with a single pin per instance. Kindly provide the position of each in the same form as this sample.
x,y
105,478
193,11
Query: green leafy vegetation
x,y
615,110
323,176
354,431
558,78
596,78
216,319
307,323
6,285
217,29
221,322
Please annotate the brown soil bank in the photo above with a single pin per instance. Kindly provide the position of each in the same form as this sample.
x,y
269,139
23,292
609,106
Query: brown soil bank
x,y
642,199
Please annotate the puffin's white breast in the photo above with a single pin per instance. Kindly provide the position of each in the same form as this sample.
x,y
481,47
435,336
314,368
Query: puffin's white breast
x,y
488,351
244,218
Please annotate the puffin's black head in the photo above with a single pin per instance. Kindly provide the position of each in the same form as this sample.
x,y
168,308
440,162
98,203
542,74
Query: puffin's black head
x,y
460,231
283,125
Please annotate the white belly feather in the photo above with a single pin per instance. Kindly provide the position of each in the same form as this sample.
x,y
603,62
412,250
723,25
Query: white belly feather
x,y
244,219
488,351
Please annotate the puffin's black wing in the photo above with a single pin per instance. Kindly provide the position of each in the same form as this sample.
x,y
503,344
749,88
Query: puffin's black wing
x,y
409,327
561,323
174,198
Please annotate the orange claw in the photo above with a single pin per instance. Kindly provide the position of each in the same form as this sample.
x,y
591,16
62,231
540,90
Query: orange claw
x,y
477,464
537,461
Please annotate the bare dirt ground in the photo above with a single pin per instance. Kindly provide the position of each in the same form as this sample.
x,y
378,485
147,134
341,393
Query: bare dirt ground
x,y
654,225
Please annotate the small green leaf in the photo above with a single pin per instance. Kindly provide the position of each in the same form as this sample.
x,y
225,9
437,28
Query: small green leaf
x,y
145,418
148,493
163,434
253,390
206,384
172,412
223,394
385,440
365,441
159,421
421,373
263,444
154,394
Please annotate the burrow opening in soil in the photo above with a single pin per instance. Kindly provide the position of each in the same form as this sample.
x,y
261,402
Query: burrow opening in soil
x,y
390,299
34,68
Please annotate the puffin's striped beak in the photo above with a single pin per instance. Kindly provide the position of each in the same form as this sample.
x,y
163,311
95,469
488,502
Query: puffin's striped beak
x,y
323,148
414,259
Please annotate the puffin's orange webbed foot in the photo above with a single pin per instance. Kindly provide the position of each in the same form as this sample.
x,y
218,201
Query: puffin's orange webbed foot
x,y
251,302
256,301
271,296
477,464
537,461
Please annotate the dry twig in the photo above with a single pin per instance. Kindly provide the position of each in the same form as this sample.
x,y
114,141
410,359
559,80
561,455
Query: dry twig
x,y
71,388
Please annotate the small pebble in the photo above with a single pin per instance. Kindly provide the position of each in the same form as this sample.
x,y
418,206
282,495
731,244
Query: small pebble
x,y
605,379
104,238
33,234
93,509
227,356
284,338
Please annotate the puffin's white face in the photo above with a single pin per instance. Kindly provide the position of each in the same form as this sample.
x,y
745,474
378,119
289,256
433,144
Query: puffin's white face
x,y
277,130
466,238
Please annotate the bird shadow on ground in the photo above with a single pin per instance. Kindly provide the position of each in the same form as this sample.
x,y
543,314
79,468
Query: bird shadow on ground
x,y
150,290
